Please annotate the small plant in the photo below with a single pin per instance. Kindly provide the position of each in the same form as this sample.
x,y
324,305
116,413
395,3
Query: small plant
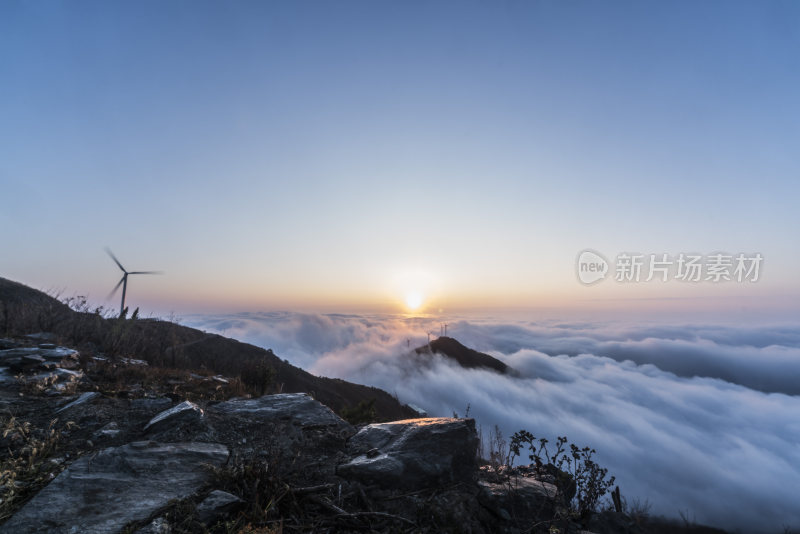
x,y
498,454
638,511
579,480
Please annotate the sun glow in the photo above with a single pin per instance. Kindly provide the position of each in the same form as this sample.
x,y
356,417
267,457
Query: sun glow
x,y
414,300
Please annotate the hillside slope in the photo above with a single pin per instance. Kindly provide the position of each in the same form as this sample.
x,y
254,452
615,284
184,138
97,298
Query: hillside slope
x,y
24,310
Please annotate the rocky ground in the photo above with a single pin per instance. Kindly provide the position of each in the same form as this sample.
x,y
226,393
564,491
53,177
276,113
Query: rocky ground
x,y
97,445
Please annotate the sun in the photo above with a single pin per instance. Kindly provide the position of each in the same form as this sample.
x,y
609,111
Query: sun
x,y
414,300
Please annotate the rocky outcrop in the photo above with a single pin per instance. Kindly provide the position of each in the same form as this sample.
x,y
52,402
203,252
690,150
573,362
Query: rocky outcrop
x,y
516,496
104,492
413,454
293,426
50,366
41,358
298,408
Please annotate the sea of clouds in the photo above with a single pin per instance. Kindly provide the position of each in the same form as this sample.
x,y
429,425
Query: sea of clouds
x,y
702,421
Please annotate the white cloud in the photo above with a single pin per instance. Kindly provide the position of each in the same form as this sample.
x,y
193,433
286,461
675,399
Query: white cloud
x,y
712,444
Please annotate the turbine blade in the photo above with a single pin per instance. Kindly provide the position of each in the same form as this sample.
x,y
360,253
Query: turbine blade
x,y
146,272
115,288
108,251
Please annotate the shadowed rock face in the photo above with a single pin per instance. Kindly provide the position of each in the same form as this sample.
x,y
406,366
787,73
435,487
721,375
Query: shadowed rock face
x,y
414,454
518,496
103,492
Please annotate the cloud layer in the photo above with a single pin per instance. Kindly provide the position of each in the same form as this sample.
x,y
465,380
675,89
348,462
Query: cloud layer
x,y
697,419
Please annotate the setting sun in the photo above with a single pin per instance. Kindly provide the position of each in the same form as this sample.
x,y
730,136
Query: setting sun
x,y
414,300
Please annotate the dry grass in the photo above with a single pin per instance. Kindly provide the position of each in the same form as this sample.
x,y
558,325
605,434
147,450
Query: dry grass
x,y
116,378
26,467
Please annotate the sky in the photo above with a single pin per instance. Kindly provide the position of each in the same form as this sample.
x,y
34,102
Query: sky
x,y
333,179
341,156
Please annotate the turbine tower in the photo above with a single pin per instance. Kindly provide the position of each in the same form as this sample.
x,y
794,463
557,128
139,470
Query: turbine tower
x,y
124,280
430,333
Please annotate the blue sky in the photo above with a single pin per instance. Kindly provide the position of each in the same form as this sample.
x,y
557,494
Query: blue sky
x,y
339,155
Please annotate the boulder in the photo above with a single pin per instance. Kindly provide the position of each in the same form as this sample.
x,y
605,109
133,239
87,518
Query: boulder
x,y
181,414
106,491
518,497
291,426
413,454
298,408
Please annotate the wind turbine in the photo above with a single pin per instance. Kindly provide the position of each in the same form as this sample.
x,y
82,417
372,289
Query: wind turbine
x,y
124,280
431,333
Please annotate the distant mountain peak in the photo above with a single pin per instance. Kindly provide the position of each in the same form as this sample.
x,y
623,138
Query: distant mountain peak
x,y
466,357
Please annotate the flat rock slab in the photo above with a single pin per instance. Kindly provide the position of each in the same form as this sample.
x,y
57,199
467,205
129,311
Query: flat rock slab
x,y
17,353
413,454
103,492
299,408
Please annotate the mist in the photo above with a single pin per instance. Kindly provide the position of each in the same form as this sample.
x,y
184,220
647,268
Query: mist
x,y
699,420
